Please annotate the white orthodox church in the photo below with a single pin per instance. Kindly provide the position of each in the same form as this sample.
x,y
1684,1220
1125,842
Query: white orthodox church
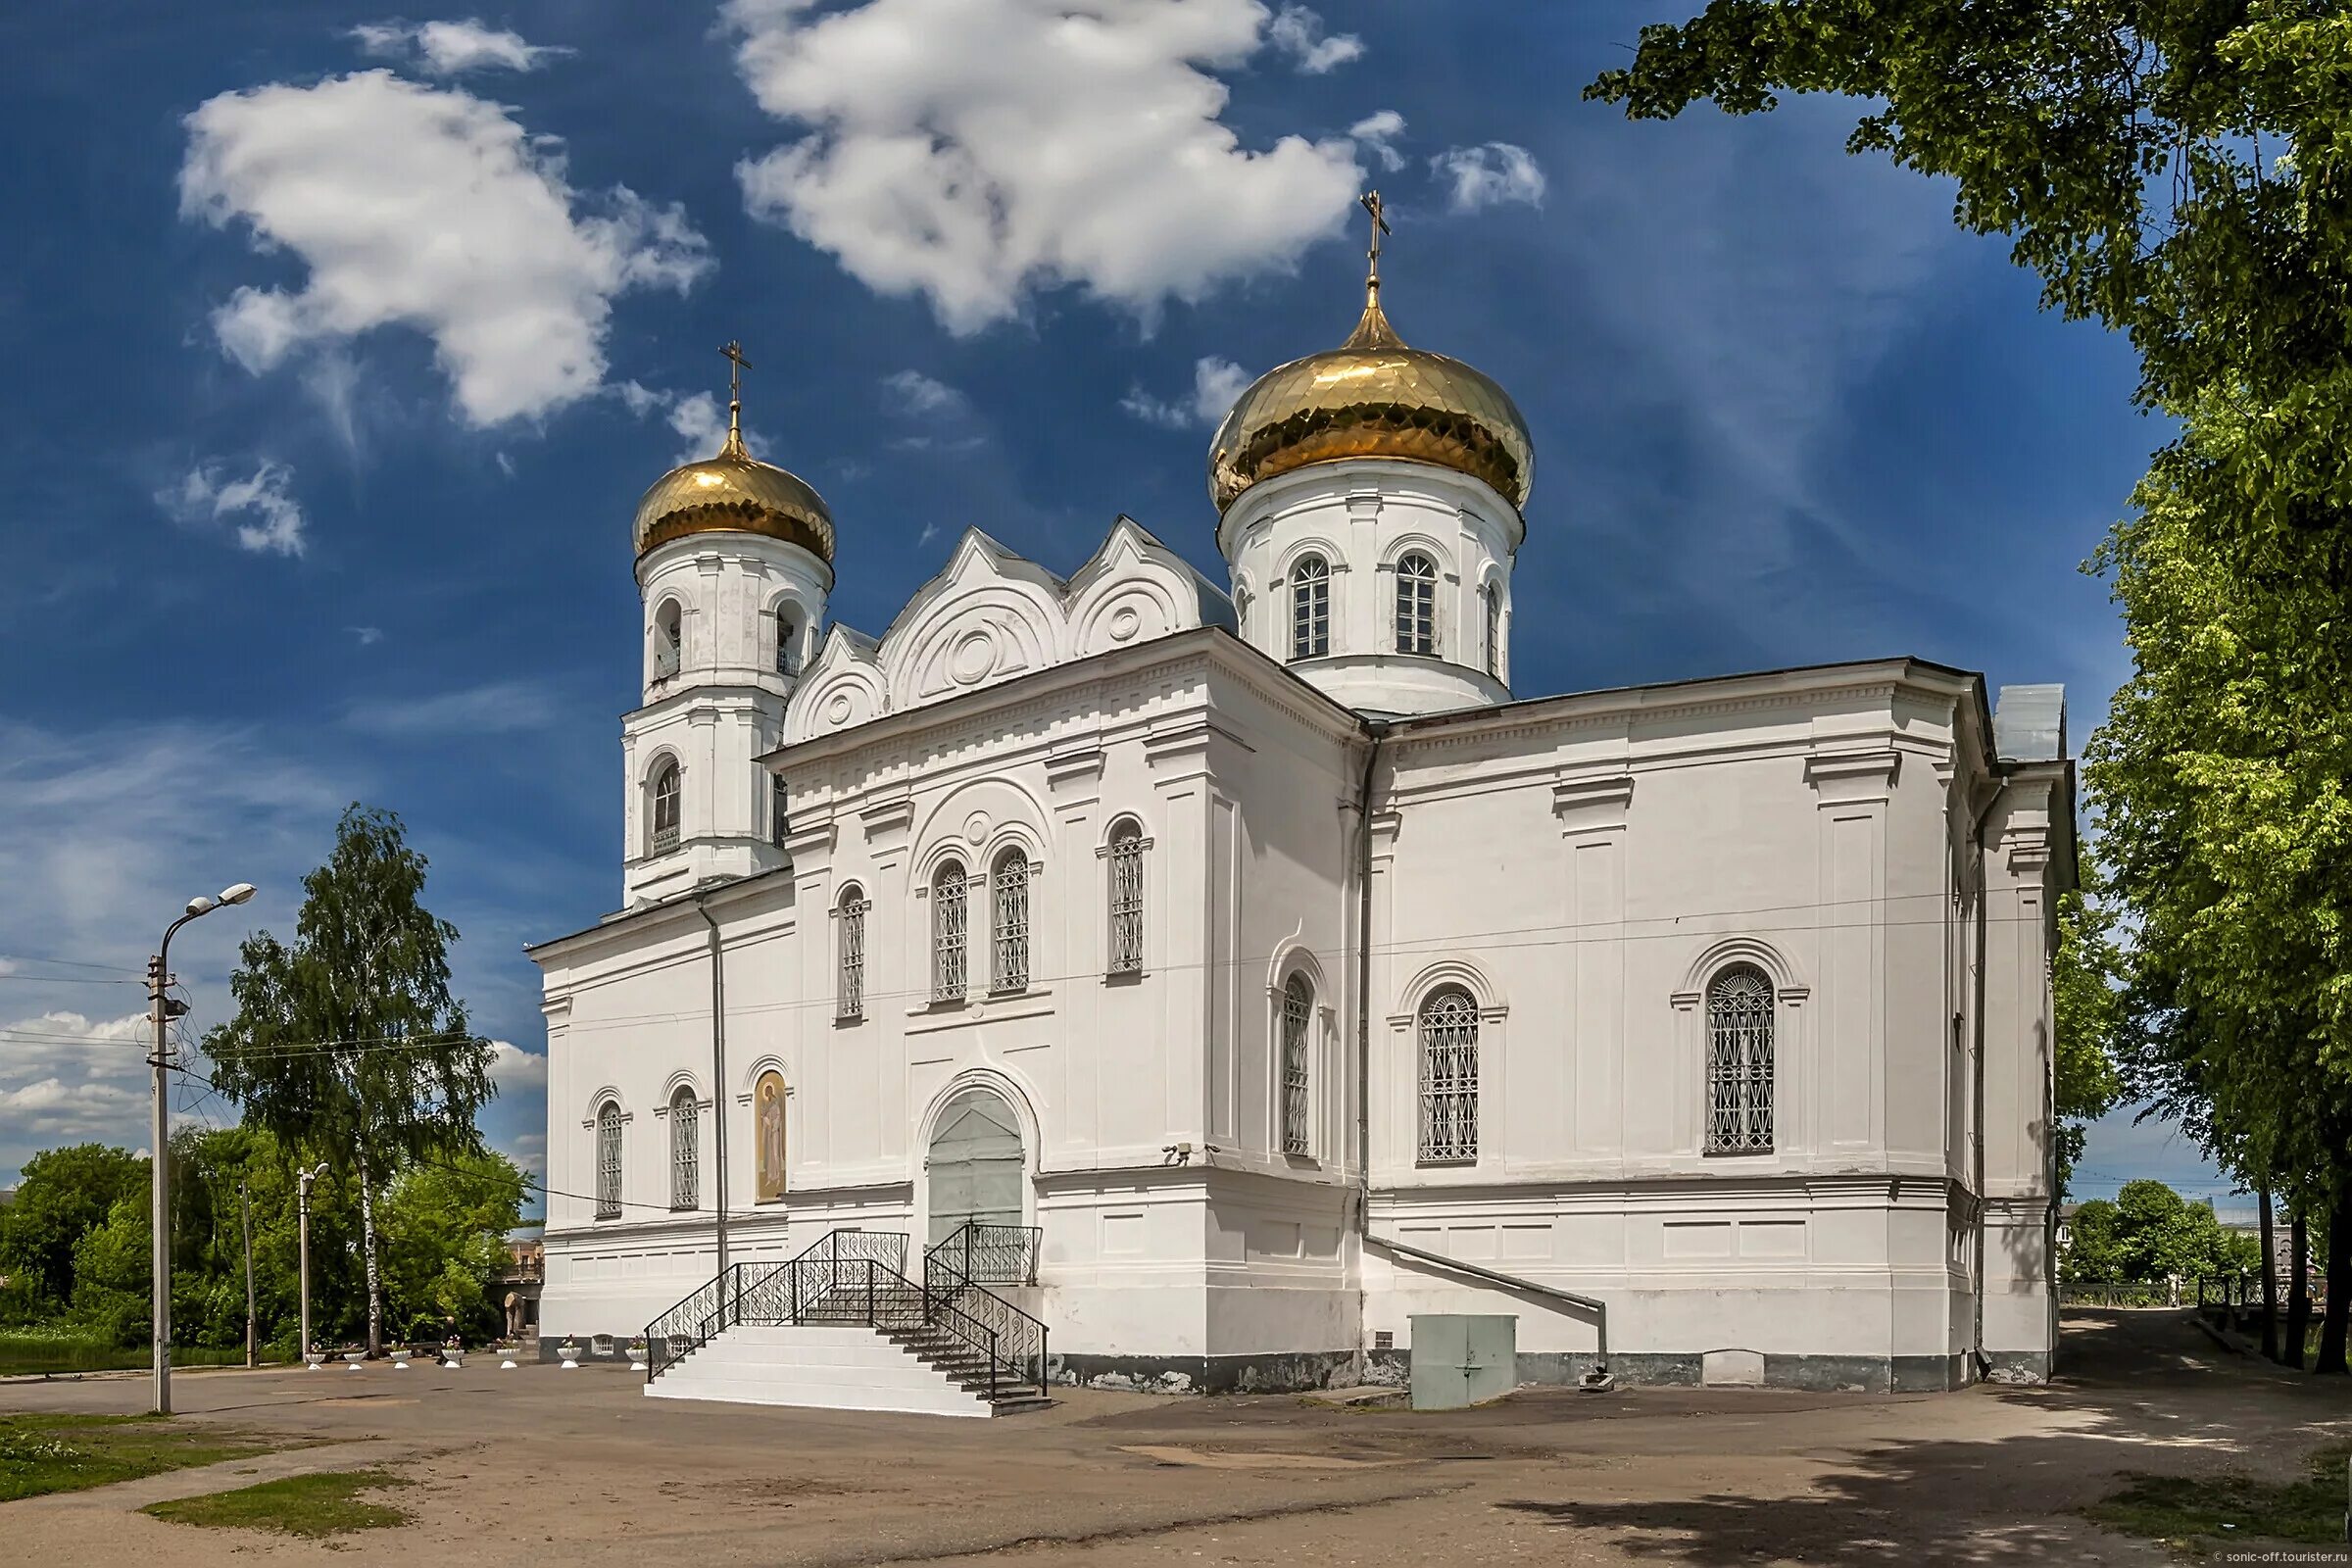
x,y
1252,968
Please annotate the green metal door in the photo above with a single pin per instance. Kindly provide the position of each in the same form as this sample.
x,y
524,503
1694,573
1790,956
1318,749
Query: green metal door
x,y
977,1164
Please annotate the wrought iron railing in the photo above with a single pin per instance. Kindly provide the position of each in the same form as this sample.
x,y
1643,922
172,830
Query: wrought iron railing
x,y
1005,1255
855,1277
987,1255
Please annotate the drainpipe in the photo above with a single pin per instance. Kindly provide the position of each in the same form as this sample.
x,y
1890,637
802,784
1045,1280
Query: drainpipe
x,y
1597,1380
718,1078
1976,838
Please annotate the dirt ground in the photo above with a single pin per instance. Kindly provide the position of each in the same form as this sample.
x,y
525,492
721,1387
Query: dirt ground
x,y
579,1468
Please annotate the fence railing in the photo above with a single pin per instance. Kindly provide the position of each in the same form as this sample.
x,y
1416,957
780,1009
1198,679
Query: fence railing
x,y
2231,1289
853,1277
987,1255
952,1271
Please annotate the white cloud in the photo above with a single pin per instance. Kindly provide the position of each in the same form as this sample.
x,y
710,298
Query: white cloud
x,y
1490,175
1217,384
1299,33
451,48
1379,132
515,1069
430,208
699,419
203,496
915,393
368,636
973,151
499,706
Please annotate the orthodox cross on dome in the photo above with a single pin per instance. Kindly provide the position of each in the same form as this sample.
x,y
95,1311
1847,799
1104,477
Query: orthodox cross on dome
x,y
1371,202
737,365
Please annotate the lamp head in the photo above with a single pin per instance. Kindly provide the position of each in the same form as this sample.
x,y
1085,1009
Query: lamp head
x,y
237,891
200,904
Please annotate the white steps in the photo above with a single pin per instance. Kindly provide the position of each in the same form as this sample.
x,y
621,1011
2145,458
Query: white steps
x,y
818,1366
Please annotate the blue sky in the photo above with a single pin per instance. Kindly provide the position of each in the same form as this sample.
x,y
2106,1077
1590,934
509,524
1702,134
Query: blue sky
x,y
342,343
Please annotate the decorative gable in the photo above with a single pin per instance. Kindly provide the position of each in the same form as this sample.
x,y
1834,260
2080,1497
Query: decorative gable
x,y
992,616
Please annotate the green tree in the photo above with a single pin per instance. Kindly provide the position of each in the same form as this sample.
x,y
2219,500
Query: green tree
x,y
349,1045
445,1229
62,1195
2087,1009
114,1273
2093,1255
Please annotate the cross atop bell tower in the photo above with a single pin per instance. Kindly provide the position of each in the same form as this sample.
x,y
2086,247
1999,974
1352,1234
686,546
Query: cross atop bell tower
x,y
1372,204
736,365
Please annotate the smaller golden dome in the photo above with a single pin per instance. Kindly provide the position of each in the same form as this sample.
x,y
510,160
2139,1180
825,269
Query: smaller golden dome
x,y
1373,397
734,493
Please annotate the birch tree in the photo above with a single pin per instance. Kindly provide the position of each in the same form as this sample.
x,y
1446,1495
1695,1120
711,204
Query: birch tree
x,y
349,1045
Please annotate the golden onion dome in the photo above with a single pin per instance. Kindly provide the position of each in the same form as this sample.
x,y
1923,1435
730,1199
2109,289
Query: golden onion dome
x,y
734,493
1372,397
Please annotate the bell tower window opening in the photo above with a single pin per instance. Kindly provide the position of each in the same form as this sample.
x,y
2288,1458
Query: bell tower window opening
x,y
788,653
669,640
1417,605
665,801
1310,608
1010,925
1492,594
947,949
779,795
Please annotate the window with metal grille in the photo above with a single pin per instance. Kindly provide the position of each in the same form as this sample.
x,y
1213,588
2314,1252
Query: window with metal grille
x,y
1416,605
788,648
1740,1063
669,640
665,808
779,809
608,1162
1298,1012
1310,608
1449,1029
1009,924
685,1151
948,950
1493,597
851,999
1126,899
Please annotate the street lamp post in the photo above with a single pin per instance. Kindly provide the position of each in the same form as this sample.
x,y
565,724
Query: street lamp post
x,y
160,1012
304,1179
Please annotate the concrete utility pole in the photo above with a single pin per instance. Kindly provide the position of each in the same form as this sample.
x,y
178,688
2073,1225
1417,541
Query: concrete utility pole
x,y
161,1011
304,1179
245,1204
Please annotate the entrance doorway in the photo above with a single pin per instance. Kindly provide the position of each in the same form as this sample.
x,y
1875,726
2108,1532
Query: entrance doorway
x,y
977,1164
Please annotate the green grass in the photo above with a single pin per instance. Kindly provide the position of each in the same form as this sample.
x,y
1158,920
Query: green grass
x,y
42,1453
25,1353
315,1505
2200,1513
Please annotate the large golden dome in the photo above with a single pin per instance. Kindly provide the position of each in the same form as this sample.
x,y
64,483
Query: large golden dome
x,y
1372,397
734,493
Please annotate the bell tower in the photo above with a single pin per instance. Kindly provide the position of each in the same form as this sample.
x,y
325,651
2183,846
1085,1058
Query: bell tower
x,y
734,562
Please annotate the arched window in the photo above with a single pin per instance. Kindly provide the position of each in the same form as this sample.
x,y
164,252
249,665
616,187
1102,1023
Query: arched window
x,y
685,1150
1449,1029
948,950
1416,605
608,1162
1492,594
779,809
1310,608
1739,1061
850,989
1298,1012
664,801
1126,856
1010,922
670,639
787,651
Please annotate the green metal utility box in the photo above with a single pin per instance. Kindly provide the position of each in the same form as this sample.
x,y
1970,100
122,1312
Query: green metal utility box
x,y
1462,1359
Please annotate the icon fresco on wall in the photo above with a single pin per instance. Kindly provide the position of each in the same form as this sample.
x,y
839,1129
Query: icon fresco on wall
x,y
768,1106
